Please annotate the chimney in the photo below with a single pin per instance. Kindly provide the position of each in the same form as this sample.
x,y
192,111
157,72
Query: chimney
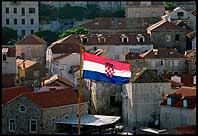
x,y
155,51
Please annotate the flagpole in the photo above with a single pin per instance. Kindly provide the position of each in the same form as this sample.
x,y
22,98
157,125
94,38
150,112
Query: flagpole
x,y
80,88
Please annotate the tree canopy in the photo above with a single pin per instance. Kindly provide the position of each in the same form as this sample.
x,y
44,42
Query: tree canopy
x,y
48,36
9,35
74,30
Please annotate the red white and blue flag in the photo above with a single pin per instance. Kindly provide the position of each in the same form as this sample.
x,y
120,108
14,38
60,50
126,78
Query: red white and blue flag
x,y
103,69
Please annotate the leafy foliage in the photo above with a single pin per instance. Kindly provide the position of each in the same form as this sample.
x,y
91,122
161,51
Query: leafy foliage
x,y
75,30
9,35
169,6
48,36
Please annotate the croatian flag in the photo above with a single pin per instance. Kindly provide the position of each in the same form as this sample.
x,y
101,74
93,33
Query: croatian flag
x,y
103,69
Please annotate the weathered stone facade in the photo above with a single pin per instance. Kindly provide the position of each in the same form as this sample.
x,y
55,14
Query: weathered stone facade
x,y
105,98
11,111
141,99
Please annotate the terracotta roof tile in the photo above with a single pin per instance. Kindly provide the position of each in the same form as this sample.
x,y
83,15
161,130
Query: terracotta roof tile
x,y
11,51
186,130
9,94
192,34
31,39
183,93
24,64
54,98
162,53
165,25
132,55
62,48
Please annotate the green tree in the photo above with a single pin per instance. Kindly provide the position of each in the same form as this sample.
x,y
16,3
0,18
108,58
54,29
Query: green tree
x,y
48,36
9,35
74,30
169,6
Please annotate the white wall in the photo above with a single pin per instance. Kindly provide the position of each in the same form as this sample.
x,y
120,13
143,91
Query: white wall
x,y
9,66
11,16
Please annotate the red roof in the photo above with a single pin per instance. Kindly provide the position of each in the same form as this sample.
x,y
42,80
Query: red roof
x,y
183,93
162,53
9,94
164,25
65,48
186,78
186,130
31,39
54,98
132,55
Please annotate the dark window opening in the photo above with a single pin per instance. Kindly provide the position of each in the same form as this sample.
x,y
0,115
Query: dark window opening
x,y
7,21
15,21
161,63
175,73
141,39
32,21
177,37
125,40
31,10
33,126
7,10
32,31
23,32
84,40
23,21
15,10
180,14
23,11
4,57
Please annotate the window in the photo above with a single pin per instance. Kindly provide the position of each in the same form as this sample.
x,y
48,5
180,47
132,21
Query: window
x,y
180,14
32,21
23,21
22,32
33,126
84,40
36,73
153,63
177,37
194,80
32,31
112,100
185,103
53,123
168,38
4,57
7,10
125,40
12,125
31,10
22,108
141,39
175,63
15,10
161,63
176,73
168,101
23,11
7,21
15,21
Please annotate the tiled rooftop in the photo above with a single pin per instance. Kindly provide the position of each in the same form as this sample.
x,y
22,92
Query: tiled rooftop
x,y
31,39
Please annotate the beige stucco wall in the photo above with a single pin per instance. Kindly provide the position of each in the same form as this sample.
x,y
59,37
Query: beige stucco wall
x,y
9,66
32,52
61,112
172,117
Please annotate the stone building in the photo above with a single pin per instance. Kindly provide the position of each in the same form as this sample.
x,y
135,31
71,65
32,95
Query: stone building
x,y
165,34
21,16
8,66
30,73
141,98
165,61
144,9
191,40
26,112
115,44
191,57
179,109
31,47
